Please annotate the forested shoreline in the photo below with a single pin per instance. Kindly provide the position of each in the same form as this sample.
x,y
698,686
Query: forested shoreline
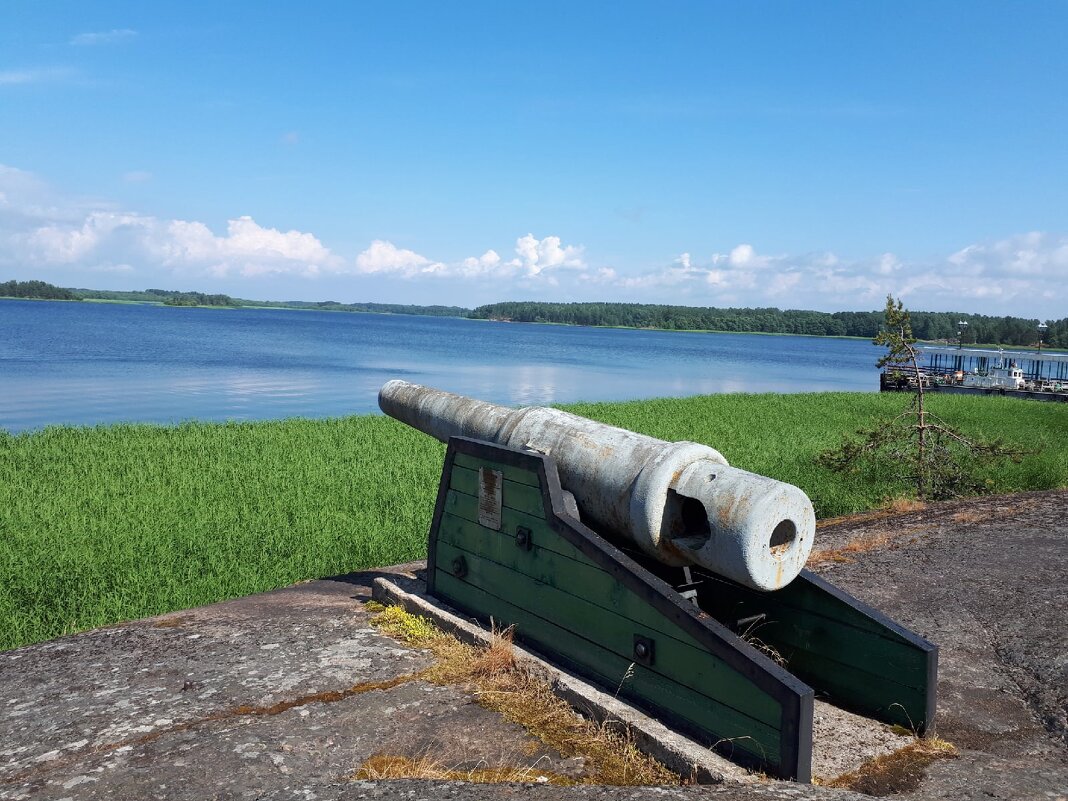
x,y
927,326
37,290
40,290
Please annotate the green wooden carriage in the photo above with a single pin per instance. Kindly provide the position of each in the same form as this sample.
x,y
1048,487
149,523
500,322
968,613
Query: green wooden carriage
x,y
503,546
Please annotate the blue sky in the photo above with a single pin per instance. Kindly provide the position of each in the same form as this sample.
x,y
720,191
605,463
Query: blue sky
x,y
800,155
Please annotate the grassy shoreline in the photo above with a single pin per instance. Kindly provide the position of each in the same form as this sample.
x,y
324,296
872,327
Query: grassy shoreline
x,y
109,523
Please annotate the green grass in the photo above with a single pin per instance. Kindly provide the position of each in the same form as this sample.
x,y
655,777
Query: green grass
x,y
104,524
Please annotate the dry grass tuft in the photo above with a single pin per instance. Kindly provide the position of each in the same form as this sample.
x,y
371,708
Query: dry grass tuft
x,y
386,766
900,506
898,772
851,549
890,507
505,686
498,657
772,653
903,535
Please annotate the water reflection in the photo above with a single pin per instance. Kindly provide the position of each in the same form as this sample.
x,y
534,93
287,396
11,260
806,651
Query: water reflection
x,y
94,363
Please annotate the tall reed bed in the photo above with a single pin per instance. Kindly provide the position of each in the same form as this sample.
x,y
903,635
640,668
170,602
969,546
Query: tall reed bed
x,y
104,524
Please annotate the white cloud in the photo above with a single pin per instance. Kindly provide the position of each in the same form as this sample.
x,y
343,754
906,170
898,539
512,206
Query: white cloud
x,y
137,176
488,262
536,260
40,229
27,76
602,275
108,237
386,258
290,138
888,264
1003,277
743,256
1030,254
45,234
784,282
103,37
539,255
247,248
63,243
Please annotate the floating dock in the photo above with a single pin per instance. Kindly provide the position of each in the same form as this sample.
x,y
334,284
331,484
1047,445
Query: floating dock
x,y
958,370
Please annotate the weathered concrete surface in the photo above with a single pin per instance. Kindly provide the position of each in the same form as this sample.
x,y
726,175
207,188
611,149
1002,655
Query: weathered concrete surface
x,y
456,791
274,696
271,693
986,579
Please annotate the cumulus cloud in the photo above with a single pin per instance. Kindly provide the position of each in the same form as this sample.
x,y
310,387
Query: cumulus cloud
x,y
535,259
44,233
488,262
111,237
386,258
40,229
247,248
1021,274
1030,254
536,256
103,37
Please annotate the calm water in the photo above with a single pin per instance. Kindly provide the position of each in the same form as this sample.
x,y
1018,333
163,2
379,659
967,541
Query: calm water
x,y
86,363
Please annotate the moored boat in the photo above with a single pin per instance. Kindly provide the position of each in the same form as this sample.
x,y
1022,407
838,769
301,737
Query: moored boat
x,y
979,371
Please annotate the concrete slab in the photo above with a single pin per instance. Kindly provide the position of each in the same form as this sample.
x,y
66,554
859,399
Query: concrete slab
x,y
986,579
290,690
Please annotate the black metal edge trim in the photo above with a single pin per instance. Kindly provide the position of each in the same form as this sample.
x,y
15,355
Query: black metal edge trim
x,y
795,740
932,692
793,695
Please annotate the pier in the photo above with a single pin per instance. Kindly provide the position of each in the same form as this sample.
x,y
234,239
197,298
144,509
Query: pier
x,y
961,371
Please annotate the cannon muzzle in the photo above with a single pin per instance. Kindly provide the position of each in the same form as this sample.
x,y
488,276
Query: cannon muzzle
x,y
680,502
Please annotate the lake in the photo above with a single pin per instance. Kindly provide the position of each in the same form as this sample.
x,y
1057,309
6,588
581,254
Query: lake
x,y
88,363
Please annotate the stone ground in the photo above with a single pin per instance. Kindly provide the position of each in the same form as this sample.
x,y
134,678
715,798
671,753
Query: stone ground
x,y
283,695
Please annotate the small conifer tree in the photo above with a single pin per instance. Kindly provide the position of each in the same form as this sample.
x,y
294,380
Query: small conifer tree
x,y
916,447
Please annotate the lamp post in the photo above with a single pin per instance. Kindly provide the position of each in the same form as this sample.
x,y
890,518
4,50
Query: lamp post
x,y
961,325
1038,362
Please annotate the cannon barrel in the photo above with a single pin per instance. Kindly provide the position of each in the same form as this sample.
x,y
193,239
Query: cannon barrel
x,y
680,502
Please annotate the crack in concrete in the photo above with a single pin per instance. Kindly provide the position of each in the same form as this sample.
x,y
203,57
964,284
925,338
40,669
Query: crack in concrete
x,y
237,712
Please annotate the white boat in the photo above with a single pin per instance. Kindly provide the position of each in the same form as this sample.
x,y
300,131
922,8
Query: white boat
x,y
1003,375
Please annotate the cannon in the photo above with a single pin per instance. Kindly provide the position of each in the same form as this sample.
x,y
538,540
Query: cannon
x,y
680,502
660,572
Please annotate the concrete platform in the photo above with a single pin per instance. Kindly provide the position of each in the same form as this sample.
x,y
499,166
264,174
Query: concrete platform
x,y
285,694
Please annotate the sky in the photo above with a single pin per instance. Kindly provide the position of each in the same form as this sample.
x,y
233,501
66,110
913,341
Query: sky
x,y
797,155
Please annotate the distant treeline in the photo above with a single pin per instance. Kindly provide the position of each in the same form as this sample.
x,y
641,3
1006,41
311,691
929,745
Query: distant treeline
x,y
930,326
194,299
373,308
172,298
925,325
35,289
45,291
168,297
